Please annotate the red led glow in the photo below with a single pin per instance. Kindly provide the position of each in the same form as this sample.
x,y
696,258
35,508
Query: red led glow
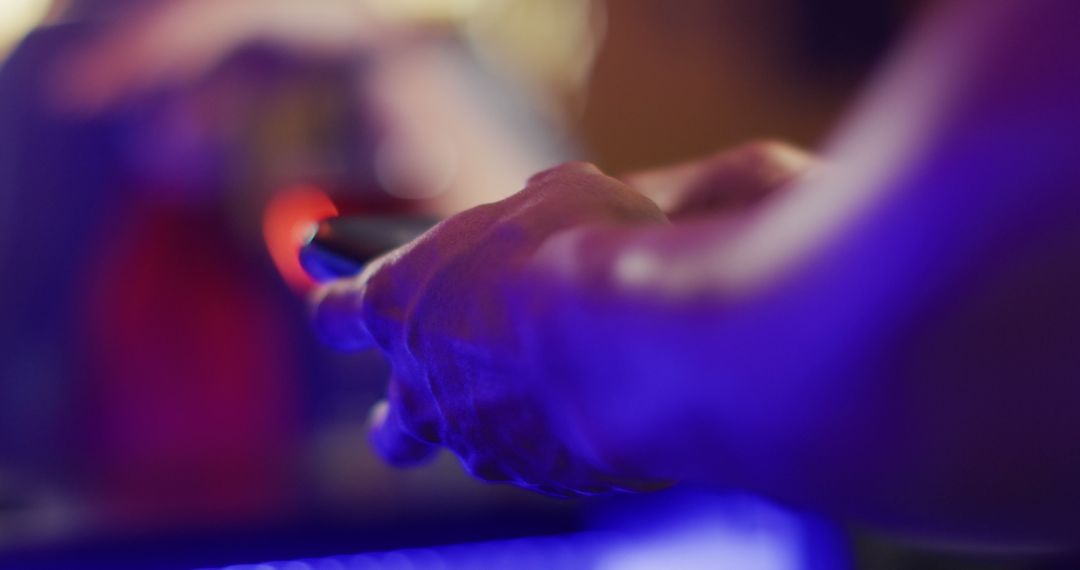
x,y
287,219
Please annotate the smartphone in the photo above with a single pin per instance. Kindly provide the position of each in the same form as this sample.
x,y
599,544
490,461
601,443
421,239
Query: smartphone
x,y
341,247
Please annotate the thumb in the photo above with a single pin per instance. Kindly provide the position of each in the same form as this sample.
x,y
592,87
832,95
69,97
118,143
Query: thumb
x,y
728,181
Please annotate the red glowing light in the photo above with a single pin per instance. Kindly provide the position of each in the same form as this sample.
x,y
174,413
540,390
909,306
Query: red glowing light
x,y
287,219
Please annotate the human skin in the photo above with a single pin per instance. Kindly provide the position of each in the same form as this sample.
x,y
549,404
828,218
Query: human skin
x,y
888,338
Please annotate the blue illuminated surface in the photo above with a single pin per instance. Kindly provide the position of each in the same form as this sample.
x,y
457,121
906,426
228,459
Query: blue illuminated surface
x,y
581,551
740,535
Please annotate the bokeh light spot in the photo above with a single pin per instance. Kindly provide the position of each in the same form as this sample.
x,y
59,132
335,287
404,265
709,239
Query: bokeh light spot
x,y
287,223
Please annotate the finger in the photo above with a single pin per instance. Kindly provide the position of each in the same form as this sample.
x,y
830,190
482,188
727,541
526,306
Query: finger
x,y
337,309
392,441
336,314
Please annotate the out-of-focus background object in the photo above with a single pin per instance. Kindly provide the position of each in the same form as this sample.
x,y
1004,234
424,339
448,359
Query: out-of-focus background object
x,y
18,18
162,401
159,376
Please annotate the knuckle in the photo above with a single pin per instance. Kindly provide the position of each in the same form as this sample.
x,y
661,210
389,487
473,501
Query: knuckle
x,y
380,309
578,166
413,337
567,168
766,149
774,158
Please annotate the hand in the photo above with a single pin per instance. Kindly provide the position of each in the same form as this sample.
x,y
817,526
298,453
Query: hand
x,y
465,373
439,309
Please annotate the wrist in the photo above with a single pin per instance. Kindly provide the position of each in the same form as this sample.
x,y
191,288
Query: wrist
x,y
583,348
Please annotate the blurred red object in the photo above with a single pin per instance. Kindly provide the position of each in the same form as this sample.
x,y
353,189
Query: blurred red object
x,y
287,219
191,406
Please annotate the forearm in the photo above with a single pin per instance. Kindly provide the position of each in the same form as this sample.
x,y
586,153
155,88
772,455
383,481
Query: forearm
x,y
847,346
855,399
663,368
